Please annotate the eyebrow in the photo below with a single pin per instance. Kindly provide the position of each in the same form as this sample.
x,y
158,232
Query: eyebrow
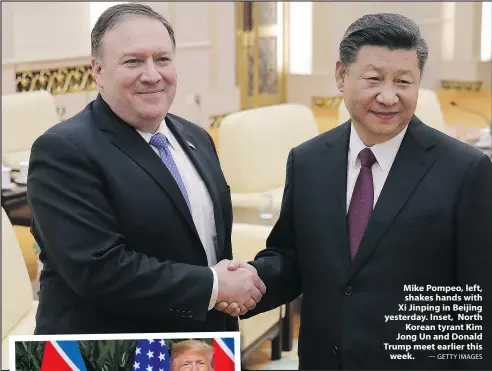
x,y
400,71
134,55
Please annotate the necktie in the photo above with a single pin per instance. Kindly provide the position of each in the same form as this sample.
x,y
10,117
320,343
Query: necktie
x,y
362,201
159,141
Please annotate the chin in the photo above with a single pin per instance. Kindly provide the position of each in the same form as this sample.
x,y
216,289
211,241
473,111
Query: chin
x,y
154,108
154,115
386,129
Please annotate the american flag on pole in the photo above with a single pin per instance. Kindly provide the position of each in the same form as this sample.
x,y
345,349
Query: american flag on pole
x,y
151,355
223,354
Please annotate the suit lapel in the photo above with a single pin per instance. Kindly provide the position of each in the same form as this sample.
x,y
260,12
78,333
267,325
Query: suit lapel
x,y
412,162
334,190
130,142
198,156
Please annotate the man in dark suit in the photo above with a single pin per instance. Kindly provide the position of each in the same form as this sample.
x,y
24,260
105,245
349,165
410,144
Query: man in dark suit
x,y
378,203
129,205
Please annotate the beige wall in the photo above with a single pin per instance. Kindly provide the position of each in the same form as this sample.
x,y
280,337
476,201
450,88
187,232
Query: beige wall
x,y
485,74
205,51
45,30
205,35
330,20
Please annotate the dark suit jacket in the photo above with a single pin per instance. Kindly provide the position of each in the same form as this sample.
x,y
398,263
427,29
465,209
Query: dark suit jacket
x,y
432,225
120,250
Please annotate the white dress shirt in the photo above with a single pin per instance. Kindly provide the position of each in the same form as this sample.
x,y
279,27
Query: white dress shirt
x,y
385,154
202,210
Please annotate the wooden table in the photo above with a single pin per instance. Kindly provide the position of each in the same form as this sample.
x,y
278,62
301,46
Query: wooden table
x,y
14,202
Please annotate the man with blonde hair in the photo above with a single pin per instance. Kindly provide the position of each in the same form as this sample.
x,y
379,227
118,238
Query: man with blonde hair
x,y
193,355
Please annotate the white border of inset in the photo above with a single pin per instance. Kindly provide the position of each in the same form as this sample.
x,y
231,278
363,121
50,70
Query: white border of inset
x,y
180,335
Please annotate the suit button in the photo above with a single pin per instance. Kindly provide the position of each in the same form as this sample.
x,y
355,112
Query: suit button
x,y
348,290
335,350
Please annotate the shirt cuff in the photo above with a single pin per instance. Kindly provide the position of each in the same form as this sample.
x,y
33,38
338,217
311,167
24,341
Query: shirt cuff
x,y
215,291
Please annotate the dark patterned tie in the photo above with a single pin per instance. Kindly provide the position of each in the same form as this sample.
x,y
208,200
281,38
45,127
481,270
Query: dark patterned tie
x,y
362,201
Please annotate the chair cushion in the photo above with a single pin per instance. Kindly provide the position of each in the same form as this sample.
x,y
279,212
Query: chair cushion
x,y
253,200
25,116
17,296
255,143
253,328
247,241
25,327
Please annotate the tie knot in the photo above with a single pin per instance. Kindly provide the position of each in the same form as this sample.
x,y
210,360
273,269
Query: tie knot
x,y
159,141
367,158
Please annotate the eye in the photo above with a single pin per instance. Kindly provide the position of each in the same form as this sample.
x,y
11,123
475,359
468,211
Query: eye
x,y
133,61
403,82
162,61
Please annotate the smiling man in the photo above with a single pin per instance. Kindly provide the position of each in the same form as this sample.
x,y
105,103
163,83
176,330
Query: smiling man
x,y
129,205
192,355
373,212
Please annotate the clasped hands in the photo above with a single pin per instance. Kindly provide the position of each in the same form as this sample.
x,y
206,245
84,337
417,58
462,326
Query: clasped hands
x,y
240,288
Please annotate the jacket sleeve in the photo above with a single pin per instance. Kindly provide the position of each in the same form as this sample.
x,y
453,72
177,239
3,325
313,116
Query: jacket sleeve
x,y
277,265
80,237
474,254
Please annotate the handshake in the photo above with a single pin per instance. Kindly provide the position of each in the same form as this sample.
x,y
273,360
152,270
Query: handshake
x,y
240,288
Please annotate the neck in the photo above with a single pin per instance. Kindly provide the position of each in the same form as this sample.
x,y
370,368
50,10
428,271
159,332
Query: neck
x,y
148,128
370,139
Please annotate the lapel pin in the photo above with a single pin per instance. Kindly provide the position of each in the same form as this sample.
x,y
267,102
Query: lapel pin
x,y
191,145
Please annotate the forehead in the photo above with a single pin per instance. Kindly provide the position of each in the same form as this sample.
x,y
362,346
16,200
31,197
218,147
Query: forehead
x,y
382,58
192,356
137,34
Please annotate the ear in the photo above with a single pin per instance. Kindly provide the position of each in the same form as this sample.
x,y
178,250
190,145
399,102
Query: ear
x,y
340,73
96,69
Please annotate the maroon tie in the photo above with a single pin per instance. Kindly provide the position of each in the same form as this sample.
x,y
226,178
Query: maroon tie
x,y
362,201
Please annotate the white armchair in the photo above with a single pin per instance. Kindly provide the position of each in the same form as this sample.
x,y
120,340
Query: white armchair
x,y
428,110
18,307
247,241
25,116
253,151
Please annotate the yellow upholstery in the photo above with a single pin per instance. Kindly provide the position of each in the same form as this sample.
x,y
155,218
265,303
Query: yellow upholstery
x,y
428,110
247,241
18,306
25,116
253,151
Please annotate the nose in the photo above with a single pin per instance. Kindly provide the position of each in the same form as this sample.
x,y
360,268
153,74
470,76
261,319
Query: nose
x,y
387,96
150,75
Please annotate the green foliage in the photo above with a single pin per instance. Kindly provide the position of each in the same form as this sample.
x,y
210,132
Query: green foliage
x,y
28,355
36,248
108,355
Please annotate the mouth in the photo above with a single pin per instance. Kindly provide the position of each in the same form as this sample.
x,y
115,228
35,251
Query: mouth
x,y
150,92
384,115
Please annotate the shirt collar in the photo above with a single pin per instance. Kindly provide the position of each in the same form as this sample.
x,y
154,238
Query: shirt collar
x,y
385,152
163,129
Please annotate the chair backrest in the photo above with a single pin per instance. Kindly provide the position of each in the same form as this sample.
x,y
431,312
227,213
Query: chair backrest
x,y
428,110
254,144
248,240
17,294
25,116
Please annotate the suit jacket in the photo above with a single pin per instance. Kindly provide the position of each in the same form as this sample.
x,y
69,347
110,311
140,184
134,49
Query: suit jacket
x,y
432,225
120,250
